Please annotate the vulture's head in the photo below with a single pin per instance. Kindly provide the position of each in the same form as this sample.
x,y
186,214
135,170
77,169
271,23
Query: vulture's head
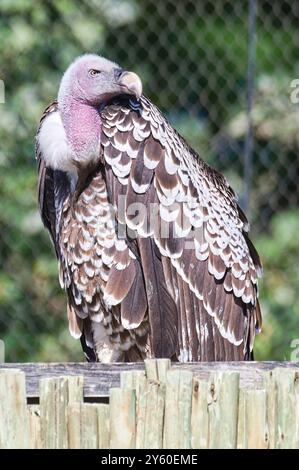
x,y
73,133
93,80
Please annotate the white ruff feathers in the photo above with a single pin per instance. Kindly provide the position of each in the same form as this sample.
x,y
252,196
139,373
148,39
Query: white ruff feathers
x,y
53,144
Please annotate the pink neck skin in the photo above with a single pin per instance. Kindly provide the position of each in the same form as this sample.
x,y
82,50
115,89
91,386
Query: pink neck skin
x,y
82,126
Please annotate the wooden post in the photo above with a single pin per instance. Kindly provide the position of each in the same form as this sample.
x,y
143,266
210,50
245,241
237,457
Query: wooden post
x,y
155,401
128,379
14,419
200,415
177,421
55,396
150,396
251,373
136,380
241,444
151,370
223,402
270,386
287,408
256,428
156,369
74,423
163,365
83,426
75,385
103,426
160,407
35,438
53,412
141,410
122,418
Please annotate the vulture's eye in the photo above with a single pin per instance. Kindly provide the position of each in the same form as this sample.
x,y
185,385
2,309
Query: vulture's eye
x,y
94,72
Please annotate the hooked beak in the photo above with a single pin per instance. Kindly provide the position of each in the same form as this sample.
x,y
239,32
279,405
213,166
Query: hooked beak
x,y
132,83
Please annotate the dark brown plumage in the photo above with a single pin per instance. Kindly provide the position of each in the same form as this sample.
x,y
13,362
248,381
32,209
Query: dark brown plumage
x,y
153,249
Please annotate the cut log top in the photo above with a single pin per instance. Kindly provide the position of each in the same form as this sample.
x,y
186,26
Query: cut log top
x,y
99,378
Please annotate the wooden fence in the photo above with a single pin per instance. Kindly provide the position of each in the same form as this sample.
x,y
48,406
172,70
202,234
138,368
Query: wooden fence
x,y
219,405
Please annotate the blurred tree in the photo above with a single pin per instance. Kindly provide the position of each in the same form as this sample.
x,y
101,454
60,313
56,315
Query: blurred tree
x,y
279,289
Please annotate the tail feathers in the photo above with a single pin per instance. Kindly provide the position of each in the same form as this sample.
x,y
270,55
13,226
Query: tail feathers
x,y
89,353
75,322
163,315
86,340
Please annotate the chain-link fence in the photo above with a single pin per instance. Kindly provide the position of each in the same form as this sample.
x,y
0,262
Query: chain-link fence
x,y
200,62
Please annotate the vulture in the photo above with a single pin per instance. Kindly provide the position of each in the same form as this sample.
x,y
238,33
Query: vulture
x,y
152,246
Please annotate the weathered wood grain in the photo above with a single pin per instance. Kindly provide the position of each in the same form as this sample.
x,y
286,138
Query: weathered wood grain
x,y
53,412
14,418
200,415
150,401
270,387
223,403
156,407
178,400
83,426
241,442
128,378
35,438
99,378
287,406
103,426
122,418
256,427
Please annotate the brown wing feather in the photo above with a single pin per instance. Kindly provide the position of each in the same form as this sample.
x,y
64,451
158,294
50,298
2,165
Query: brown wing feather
x,y
162,308
212,282
104,274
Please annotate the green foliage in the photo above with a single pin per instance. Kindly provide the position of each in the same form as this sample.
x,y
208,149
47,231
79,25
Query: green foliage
x,y
279,288
274,116
275,122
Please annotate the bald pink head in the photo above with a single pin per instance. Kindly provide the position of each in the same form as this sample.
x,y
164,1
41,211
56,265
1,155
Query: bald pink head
x,y
89,82
91,79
